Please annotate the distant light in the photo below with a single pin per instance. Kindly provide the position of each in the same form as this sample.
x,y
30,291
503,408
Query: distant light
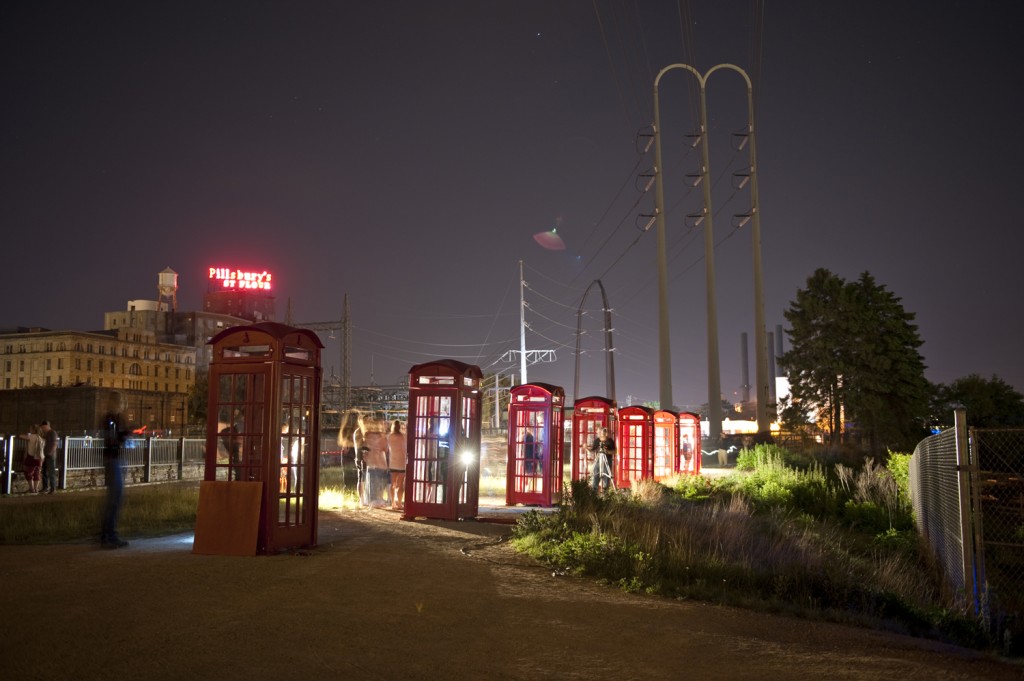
x,y
467,457
550,240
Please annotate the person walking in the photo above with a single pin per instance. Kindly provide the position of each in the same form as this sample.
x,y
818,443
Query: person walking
x,y
49,436
114,433
32,462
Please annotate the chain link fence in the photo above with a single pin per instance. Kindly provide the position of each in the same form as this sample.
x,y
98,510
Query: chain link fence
x,y
999,498
967,487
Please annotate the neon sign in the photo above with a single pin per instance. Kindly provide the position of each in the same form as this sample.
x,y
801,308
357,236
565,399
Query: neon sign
x,y
240,279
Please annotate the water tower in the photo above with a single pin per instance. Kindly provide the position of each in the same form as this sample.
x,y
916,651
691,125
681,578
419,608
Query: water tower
x,y
167,291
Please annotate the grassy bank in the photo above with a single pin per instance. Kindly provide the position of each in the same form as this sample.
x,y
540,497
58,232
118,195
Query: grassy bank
x,y
782,535
148,511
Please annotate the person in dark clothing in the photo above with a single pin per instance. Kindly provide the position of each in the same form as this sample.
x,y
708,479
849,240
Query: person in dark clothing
x,y
49,436
114,433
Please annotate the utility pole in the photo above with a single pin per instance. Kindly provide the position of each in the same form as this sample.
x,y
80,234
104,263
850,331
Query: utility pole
x,y
760,332
522,328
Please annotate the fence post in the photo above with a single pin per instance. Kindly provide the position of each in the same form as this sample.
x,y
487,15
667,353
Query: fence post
x,y
147,454
980,578
8,463
963,468
181,458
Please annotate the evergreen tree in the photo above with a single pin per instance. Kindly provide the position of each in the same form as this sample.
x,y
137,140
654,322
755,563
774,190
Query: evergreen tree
x,y
814,364
855,359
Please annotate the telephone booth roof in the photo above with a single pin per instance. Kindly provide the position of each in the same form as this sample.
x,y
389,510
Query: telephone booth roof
x,y
541,390
582,401
665,415
637,408
445,367
267,339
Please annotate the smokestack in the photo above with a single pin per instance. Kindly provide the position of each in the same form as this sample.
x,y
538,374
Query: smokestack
x,y
744,368
771,369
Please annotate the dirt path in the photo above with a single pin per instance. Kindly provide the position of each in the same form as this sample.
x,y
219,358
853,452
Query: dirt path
x,y
386,599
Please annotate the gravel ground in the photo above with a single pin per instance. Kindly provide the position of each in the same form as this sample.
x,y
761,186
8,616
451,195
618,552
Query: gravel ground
x,y
381,598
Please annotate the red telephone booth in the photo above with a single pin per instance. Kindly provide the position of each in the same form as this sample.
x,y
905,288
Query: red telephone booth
x,y
635,458
442,477
689,443
666,444
262,446
536,412
589,414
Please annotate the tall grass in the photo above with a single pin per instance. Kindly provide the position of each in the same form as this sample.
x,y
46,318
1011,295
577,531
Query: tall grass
x,y
776,538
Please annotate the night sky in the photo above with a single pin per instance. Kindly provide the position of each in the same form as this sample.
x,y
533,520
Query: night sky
x,y
405,153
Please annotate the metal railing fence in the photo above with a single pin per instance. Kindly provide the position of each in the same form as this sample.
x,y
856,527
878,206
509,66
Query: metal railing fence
x,y
76,454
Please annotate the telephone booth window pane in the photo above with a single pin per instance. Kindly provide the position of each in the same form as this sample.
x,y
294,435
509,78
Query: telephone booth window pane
x,y
431,448
632,461
529,452
664,449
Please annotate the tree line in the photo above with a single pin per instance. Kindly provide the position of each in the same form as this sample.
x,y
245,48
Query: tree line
x,y
856,372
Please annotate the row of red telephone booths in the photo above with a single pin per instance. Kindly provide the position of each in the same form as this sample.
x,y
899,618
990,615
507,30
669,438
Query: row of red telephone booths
x,y
650,444
261,479
442,474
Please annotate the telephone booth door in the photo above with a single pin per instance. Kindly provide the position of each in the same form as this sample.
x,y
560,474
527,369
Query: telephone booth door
x,y
442,477
635,458
666,445
535,443
589,415
689,443
262,429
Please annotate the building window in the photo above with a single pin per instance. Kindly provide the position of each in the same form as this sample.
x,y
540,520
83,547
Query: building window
x,y
101,365
21,365
60,363
48,364
88,365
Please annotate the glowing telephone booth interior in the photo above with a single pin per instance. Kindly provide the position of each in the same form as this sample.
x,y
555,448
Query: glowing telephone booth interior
x,y
589,414
536,412
634,460
689,443
263,429
666,444
442,477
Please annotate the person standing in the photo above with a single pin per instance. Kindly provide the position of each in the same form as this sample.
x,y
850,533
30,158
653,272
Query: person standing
x,y
49,436
114,433
397,463
32,462
603,449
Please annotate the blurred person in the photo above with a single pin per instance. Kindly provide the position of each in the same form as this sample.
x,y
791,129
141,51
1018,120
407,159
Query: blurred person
x,y
687,452
372,459
49,436
396,464
349,425
114,432
32,462
603,449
